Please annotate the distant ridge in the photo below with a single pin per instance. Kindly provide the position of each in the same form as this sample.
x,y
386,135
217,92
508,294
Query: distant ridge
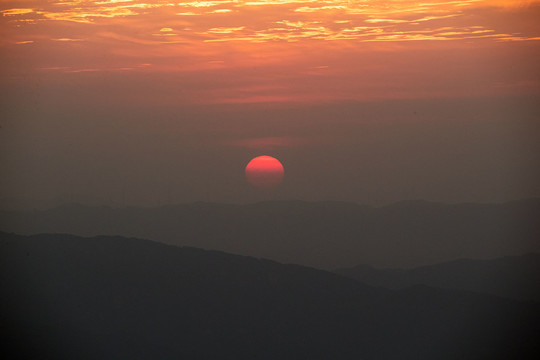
x,y
515,277
66,297
321,234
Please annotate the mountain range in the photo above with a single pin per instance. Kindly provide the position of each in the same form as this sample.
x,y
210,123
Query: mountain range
x,y
67,297
326,235
515,277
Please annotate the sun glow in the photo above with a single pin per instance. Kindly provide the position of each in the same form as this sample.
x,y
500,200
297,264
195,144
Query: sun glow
x,y
264,172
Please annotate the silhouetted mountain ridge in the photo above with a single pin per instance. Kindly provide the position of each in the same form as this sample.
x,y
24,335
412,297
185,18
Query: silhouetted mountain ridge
x,y
515,277
320,234
67,297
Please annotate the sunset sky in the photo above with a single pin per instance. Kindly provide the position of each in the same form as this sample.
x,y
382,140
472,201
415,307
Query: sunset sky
x,y
156,102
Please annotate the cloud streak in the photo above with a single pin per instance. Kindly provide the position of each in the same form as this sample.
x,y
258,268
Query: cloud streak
x,y
294,50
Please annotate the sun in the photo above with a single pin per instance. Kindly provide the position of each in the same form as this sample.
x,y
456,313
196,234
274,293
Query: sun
x,y
264,172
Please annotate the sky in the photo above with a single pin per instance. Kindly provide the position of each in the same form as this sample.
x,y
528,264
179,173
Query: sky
x,y
149,103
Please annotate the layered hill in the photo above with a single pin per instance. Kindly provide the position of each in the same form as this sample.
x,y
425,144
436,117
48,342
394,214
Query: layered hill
x,y
515,277
66,297
325,235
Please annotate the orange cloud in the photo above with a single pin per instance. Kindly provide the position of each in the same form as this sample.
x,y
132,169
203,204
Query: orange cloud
x,y
271,51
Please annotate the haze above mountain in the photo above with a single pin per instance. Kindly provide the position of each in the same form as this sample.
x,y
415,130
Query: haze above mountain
x,y
111,297
320,234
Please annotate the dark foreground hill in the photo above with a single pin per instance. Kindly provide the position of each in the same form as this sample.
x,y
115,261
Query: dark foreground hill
x,y
515,277
65,297
323,234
